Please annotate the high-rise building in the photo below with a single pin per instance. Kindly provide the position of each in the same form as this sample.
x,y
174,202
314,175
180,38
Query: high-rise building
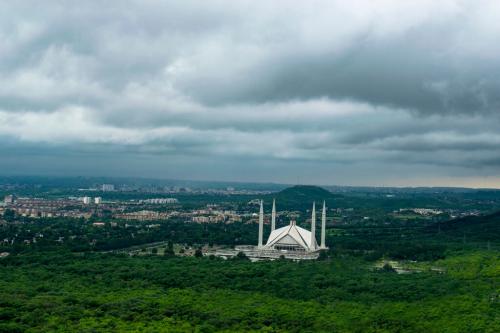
x,y
108,187
86,200
97,200
9,199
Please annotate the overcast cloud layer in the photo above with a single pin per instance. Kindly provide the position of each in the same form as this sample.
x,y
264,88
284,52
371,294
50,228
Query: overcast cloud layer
x,y
328,92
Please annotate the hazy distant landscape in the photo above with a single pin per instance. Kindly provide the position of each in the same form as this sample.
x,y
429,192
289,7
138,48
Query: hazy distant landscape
x,y
398,259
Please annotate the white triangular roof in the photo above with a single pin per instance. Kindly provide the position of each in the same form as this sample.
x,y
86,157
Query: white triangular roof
x,y
292,233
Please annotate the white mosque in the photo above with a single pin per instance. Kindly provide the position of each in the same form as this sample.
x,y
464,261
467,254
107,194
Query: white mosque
x,y
290,242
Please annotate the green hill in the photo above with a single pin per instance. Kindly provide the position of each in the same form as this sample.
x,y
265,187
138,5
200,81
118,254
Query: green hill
x,y
301,197
306,191
479,228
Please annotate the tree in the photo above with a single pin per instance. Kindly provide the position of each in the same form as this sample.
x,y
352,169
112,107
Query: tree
x,y
323,255
241,256
9,215
169,250
388,268
198,253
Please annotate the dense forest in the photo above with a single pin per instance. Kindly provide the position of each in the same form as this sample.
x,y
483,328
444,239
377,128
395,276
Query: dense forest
x,y
89,292
454,286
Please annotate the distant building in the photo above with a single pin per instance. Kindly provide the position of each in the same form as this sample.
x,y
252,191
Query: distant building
x,y
427,211
422,211
160,201
86,200
142,215
200,219
97,200
108,187
9,199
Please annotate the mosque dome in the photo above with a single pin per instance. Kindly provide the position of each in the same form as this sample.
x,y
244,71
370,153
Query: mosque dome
x,y
291,238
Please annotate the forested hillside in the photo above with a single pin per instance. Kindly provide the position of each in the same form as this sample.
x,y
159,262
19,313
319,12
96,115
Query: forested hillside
x,y
478,228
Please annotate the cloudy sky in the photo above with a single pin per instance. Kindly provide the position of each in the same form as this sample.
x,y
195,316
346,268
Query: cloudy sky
x,y
324,92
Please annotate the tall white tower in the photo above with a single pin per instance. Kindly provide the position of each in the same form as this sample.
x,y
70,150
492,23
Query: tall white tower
x,y
273,216
323,226
261,224
313,228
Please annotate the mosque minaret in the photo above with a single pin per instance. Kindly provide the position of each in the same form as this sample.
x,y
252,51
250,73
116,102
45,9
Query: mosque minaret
x,y
323,226
273,216
261,224
313,227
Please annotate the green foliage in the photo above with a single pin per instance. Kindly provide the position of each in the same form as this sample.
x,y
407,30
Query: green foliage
x,y
9,215
302,196
323,255
169,250
241,256
388,268
79,235
474,228
54,291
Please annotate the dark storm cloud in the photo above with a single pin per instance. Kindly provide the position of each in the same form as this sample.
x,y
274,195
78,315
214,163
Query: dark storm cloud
x,y
394,74
359,88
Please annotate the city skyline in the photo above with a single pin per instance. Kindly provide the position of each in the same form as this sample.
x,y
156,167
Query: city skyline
x,y
324,93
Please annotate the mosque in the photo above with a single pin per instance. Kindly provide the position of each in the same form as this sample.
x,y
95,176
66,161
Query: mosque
x,y
290,242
